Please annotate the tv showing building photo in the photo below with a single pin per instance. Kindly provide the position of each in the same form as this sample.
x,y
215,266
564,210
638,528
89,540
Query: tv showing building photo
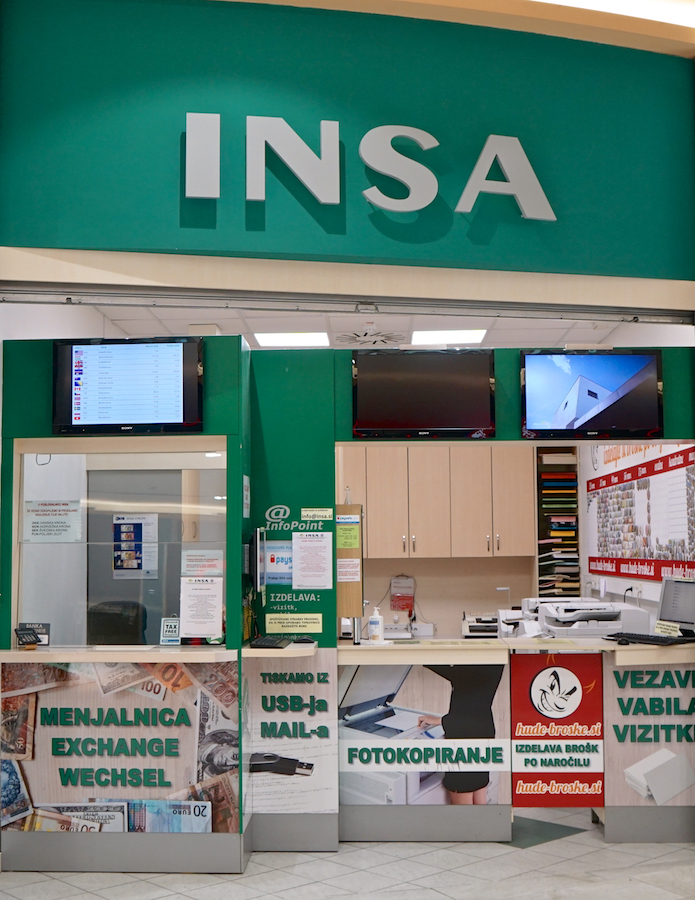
x,y
592,394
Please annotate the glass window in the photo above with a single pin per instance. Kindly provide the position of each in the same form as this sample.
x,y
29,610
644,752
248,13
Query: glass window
x,y
109,542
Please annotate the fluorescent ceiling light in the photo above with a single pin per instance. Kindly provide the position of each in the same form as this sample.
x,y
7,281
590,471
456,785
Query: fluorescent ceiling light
x,y
472,336
211,455
294,339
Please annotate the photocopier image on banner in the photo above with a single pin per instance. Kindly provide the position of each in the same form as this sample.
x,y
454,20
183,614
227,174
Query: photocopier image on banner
x,y
412,735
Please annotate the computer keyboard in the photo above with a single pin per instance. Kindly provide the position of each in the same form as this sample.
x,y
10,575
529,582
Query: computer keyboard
x,y
661,640
269,642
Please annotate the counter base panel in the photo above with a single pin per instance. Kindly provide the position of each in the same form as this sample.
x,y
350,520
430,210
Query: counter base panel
x,y
658,825
298,832
53,852
426,823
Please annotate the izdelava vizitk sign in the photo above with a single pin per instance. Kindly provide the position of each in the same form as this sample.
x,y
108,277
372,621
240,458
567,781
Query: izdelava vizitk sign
x,y
267,131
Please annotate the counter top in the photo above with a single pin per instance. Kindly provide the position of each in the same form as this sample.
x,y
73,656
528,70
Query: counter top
x,y
494,650
119,653
291,650
460,652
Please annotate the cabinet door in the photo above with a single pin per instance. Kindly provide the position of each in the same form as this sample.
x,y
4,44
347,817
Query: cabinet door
x,y
387,502
429,502
471,500
513,500
351,471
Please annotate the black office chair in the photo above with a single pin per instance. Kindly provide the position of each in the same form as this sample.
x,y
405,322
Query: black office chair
x,y
116,622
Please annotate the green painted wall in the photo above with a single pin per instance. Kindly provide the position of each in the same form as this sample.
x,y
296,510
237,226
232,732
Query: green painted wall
x,y
94,95
293,465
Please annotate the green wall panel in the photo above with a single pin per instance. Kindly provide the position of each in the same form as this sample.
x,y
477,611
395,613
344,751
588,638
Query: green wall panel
x,y
94,95
27,392
222,389
678,370
293,439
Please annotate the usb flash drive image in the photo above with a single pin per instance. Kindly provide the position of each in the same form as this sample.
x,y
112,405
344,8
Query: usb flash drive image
x,y
279,765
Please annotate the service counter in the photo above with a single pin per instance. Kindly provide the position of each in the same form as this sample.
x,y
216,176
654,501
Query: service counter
x,y
121,759
632,697
302,747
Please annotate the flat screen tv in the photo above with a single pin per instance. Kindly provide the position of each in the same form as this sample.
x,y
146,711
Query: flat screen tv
x,y
592,394
129,386
411,394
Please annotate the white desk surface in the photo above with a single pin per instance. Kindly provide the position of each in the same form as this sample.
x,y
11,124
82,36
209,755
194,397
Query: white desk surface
x,y
119,653
495,650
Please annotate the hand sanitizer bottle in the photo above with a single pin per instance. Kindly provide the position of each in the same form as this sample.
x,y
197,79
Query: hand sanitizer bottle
x,y
375,626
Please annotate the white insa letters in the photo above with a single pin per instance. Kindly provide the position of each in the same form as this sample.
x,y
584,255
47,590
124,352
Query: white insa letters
x,y
521,181
377,152
320,174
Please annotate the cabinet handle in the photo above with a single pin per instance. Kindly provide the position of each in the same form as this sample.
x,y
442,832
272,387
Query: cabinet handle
x,y
488,543
413,543
498,542
404,543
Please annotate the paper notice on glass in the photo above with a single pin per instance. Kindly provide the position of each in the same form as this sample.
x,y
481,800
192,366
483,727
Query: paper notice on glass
x,y
135,547
52,521
312,561
202,562
349,569
278,562
201,607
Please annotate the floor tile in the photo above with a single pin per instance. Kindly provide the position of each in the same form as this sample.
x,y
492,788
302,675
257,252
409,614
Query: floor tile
x,y
446,880
365,859
319,869
278,860
316,891
367,882
404,849
96,881
134,890
50,889
509,866
645,850
270,881
15,879
182,881
443,859
400,894
404,870
677,878
482,850
228,890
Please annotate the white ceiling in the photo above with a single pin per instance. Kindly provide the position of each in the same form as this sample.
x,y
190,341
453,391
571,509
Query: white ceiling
x,y
389,330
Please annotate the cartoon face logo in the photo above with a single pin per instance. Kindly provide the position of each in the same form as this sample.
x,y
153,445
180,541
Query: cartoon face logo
x,y
556,693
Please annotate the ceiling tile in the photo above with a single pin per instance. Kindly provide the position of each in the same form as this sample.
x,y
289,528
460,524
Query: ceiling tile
x,y
140,328
115,313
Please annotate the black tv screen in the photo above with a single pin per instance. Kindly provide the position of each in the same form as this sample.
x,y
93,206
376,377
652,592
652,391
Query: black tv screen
x,y
129,386
592,394
414,394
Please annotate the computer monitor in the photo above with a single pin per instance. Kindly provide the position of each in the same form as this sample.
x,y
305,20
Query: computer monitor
x,y
677,603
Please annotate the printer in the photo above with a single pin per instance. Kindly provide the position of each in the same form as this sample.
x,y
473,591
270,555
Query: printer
x,y
567,618
530,605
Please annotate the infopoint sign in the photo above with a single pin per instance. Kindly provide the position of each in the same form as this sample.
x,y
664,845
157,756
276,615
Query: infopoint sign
x,y
338,136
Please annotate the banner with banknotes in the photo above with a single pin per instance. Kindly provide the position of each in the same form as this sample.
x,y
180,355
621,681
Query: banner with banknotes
x,y
119,746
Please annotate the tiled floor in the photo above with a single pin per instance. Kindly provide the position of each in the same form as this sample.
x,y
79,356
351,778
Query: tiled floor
x,y
577,867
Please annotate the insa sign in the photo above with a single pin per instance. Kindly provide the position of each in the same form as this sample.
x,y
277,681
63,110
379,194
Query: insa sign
x,y
321,174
